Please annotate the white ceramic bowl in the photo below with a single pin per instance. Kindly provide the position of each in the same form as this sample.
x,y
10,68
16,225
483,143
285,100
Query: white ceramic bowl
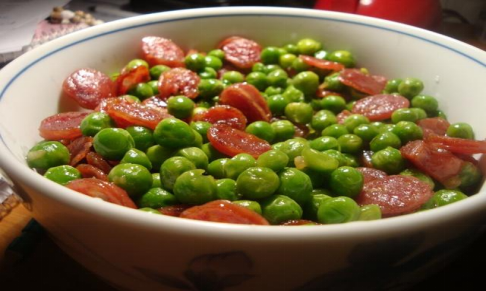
x,y
137,251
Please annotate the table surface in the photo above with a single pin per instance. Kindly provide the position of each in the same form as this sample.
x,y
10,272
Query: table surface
x,y
47,266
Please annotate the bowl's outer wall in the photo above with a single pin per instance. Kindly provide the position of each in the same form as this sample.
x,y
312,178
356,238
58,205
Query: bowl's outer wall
x,y
131,254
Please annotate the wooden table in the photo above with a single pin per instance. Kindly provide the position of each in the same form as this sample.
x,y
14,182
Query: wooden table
x,y
47,266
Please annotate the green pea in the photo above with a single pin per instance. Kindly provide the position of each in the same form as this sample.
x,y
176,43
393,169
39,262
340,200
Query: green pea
x,y
174,133
261,129
460,130
388,127
154,84
277,78
384,140
338,156
258,67
293,94
156,183
338,210
293,148
202,128
210,87
252,205
344,57
299,112
333,103
286,60
332,82
346,181
94,122
270,68
270,55
142,91
113,143
307,82
142,136
366,131
351,160
323,119
233,77
291,48
319,161
389,160
369,212
158,154
257,183
136,63
257,79
295,184
156,198
271,90
149,210
213,62
180,106
211,152
217,53
392,86
312,206
133,178
216,168
444,197
195,62
195,155
273,159
237,164
321,54
335,130
157,70
192,187
135,156
350,105
408,114
130,98
325,143
353,120
172,168
284,129
226,190
208,73
470,176
63,174
277,209
410,87
407,131
427,103
419,175
277,103
350,143
308,46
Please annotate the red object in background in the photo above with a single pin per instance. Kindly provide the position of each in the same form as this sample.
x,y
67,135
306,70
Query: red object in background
x,y
422,13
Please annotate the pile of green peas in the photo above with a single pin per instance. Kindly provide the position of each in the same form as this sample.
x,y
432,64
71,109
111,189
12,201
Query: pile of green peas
x,y
312,177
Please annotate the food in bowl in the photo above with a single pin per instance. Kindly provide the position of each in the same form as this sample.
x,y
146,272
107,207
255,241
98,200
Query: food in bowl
x,y
290,135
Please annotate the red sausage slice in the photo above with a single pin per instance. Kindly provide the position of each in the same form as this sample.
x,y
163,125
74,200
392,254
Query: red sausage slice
x,y
100,189
380,107
130,78
178,81
88,87
224,211
126,113
89,171
79,148
96,160
370,174
241,52
161,51
231,141
62,126
433,126
354,78
458,145
396,194
248,100
322,64
223,114
441,165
